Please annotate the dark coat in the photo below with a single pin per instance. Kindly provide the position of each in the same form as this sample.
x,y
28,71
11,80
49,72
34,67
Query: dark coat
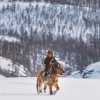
x,y
47,62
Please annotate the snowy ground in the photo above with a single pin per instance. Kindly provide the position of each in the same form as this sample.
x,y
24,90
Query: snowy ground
x,y
70,89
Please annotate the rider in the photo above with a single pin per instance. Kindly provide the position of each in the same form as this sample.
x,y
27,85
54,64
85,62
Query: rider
x,y
48,59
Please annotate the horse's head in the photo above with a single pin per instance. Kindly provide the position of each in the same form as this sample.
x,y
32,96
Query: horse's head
x,y
57,68
60,70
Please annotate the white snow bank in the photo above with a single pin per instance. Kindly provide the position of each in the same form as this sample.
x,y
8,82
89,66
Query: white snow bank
x,y
92,71
8,66
1,77
76,74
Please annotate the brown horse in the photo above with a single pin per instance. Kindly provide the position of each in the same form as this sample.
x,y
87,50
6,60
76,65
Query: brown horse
x,y
52,80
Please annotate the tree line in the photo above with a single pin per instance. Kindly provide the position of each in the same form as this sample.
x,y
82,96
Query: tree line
x,y
77,53
88,3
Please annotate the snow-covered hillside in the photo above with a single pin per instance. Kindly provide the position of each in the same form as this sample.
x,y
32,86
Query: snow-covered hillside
x,y
70,89
8,68
27,28
76,74
92,71
21,17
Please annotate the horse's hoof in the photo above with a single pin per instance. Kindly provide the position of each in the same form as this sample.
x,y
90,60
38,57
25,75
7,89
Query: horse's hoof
x,y
40,91
51,93
58,88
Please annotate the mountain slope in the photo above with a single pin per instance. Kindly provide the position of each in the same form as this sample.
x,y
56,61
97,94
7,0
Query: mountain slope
x,y
40,18
8,68
92,71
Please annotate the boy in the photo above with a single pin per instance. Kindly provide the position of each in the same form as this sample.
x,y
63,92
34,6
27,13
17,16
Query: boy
x,y
47,61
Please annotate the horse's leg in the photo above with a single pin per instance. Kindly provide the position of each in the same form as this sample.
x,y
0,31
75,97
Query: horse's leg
x,y
50,89
57,87
45,87
40,87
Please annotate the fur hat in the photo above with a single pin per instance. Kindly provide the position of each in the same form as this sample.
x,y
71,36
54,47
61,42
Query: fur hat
x,y
50,52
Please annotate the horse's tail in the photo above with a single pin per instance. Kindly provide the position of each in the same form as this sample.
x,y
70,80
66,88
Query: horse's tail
x,y
37,85
39,82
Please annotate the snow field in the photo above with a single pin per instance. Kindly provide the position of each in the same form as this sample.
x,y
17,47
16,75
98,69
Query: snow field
x,y
70,89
